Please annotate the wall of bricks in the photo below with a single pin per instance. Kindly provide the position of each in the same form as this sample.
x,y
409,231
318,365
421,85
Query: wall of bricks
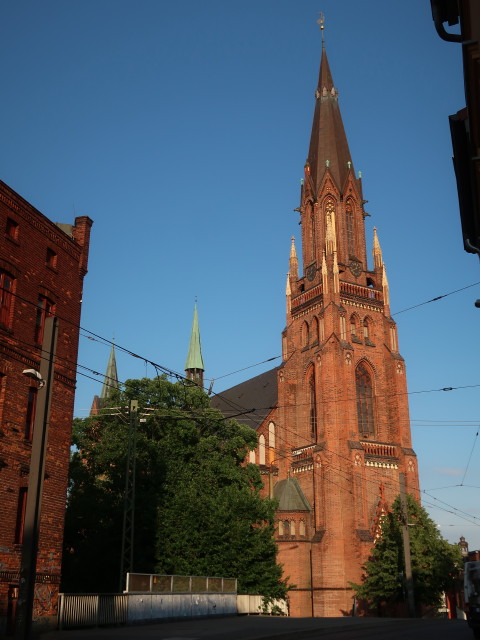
x,y
42,259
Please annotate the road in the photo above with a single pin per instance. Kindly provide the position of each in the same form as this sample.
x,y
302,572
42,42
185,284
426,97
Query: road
x,y
267,628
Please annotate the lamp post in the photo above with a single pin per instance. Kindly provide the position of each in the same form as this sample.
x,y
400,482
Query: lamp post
x,y
28,566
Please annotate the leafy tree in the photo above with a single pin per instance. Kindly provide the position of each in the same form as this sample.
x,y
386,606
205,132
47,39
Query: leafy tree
x,y
435,562
198,505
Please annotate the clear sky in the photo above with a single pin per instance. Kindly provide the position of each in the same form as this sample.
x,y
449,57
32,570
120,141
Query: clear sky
x,y
181,129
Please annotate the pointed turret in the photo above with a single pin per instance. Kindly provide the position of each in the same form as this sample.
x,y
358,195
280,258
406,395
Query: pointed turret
x,y
110,380
194,367
328,143
377,252
293,261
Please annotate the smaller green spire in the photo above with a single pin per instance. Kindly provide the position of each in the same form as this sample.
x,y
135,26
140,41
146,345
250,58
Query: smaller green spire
x,y
194,362
110,381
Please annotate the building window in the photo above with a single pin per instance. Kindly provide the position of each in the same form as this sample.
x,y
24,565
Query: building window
x,y
251,457
302,531
6,298
261,449
45,309
343,328
280,528
364,401
271,435
305,334
350,229
21,507
353,327
51,259
321,328
286,527
292,528
366,329
315,330
11,229
30,418
312,403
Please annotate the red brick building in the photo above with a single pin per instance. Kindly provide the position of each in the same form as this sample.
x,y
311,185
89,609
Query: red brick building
x,y
332,420
42,266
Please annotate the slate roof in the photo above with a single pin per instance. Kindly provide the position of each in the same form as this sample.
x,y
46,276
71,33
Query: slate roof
x,y
290,496
259,393
328,141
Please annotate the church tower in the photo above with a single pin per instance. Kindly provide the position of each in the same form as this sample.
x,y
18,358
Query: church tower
x,y
342,421
110,382
334,431
194,366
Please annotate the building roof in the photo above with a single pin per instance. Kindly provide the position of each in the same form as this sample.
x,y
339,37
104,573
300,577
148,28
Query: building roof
x,y
194,357
290,496
259,395
328,142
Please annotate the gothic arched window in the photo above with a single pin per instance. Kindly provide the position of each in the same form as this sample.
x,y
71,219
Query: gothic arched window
x,y
305,334
315,330
350,225
312,404
364,401
261,449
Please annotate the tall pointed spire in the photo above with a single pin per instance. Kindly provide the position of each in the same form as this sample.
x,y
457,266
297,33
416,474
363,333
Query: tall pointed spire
x,y
328,143
293,272
194,367
377,252
110,381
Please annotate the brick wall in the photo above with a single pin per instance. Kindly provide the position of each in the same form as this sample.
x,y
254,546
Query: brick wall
x,y
43,262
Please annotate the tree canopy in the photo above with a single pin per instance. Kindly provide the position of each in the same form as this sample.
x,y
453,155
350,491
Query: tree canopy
x,y
435,562
198,508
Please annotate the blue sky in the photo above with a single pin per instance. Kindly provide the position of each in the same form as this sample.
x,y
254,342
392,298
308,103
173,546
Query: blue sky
x,y
182,128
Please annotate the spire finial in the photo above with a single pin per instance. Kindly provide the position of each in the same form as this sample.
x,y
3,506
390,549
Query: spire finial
x,y
321,22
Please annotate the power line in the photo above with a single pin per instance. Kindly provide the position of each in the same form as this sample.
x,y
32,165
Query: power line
x,y
415,306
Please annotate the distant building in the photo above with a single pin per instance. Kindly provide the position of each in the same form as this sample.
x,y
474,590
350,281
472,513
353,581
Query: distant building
x,y
42,266
333,419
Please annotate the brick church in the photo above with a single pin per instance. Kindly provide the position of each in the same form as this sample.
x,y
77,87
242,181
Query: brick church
x,y
332,419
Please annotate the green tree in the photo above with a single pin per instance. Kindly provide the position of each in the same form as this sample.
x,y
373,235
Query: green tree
x,y
435,562
198,505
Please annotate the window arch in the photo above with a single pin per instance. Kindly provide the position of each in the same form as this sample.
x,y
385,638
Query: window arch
x,y
271,435
312,403
251,457
302,531
261,449
280,527
350,227
305,336
315,330
7,286
354,322
292,528
364,390
368,330
286,527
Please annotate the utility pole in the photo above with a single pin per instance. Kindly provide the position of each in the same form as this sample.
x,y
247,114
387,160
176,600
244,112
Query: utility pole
x,y
33,508
126,560
406,549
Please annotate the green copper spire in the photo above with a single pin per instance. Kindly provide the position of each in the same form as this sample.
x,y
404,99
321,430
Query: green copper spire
x,y
194,367
110,381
